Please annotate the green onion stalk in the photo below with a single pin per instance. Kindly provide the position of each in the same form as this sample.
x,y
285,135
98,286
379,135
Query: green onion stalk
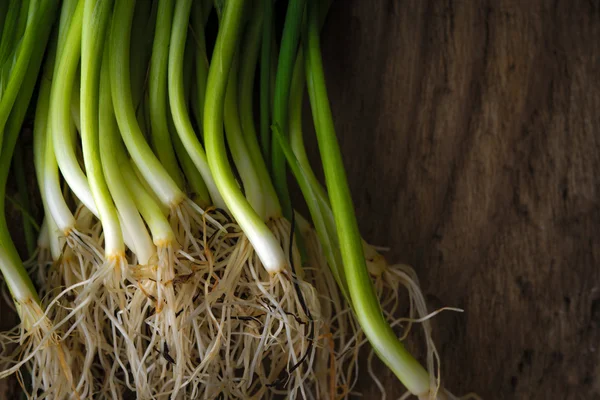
x,y
97,280
388,279
39,348
186,214
189,240
65,267
360,289
80,266
272,272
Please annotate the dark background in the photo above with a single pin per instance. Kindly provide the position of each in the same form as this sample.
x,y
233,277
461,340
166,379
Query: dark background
x,y
471,136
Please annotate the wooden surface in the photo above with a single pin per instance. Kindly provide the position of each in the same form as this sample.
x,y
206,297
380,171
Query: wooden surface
x,y
471,133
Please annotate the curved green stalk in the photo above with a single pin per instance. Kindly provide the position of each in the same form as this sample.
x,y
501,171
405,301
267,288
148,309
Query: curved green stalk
x,y
67,10
10,20
262,239
15,275
40,126
162,233
235,138
161,138
321,216
96,17
23,193
48,177
265,80
75,106
295,127
364,300
28,8
141,40
193,177
39,16
249,56
52,187
110,146
200,63
295,121
287,55
154,173
45,169
60,116
181,117
130,194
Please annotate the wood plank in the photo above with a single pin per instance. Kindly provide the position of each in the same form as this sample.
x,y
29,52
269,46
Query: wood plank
x,y
471,136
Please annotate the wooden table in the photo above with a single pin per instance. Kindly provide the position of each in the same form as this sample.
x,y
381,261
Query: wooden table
x,y
471,133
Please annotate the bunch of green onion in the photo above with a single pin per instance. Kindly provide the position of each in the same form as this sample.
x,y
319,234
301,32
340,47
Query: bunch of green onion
x,y
171,261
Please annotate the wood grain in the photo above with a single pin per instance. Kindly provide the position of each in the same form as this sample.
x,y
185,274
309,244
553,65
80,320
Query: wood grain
x,y
471,134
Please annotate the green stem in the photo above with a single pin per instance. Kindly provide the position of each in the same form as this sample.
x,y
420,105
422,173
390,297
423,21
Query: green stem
x,y
15,275
96,17
67,10
235,139
295,127
13,8
162,233
265,80
324,223
25,206
287,56
364,300
181,117
200,62
196,185
60,115
55,205
142,32
38,17
249,57
262,239
27,9
154,173
161,137
40,128
110,148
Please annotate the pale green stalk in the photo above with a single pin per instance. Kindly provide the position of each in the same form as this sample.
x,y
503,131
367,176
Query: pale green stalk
x,y
110,146
179,112
250,50
161,138
154,173
364,300
264,242
96,17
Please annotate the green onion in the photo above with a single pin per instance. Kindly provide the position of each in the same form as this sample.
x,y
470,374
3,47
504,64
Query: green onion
x,y
367,308
289,47
265,80
249,56
154,173
161,137
262,239
96,17
181,118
